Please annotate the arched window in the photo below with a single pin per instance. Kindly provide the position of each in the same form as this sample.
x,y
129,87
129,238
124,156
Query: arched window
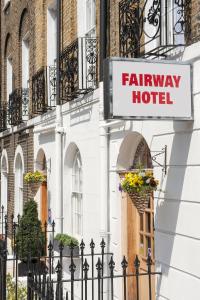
x,y
77,214
18,185
4,181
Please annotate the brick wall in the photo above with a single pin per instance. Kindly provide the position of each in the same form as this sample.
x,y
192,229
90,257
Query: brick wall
x,y
10,143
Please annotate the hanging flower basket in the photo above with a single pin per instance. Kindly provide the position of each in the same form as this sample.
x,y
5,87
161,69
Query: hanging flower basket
x,y
139,185
141,202
34,180
34,186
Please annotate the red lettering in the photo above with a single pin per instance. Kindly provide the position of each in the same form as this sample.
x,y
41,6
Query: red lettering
x,y
136,97
169,101
177,80
133,80
154,96
125,78
162,98
147,79
168,81
158,80
146,97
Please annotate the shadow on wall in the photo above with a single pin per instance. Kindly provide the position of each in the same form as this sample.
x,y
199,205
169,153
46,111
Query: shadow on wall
x,y
165,213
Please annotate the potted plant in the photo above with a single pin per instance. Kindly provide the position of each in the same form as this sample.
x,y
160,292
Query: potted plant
x,y
30,239
34,179
68,242
139,185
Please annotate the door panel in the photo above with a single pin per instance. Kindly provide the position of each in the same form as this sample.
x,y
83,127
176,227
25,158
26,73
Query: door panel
x,y
44,205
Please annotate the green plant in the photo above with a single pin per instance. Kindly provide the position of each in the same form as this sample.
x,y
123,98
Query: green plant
x,y
10,286
66,240
30,239
35,177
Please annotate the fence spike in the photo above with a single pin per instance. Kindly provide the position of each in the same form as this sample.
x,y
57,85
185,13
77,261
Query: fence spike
x,y
111,264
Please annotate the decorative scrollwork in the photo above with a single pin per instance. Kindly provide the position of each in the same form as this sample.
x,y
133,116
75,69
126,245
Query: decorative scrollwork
x,y
144,26
18,106
52,85
154,13
69,71
39,103
3,118
179,9
78,68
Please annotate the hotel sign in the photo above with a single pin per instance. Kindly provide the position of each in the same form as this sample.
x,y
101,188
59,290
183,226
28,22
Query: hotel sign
x,y
143,89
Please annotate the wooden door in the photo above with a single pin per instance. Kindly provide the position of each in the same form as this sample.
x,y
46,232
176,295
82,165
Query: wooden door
x,y
140,239
44,206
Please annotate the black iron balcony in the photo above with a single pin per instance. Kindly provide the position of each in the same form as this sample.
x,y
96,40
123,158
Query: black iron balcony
x,y
44,90
18,106
153,28
3,117
78,68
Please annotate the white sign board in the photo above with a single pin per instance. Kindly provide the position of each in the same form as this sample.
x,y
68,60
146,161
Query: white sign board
x,y
147,89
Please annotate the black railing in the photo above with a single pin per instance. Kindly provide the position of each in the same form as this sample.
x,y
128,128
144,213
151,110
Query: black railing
x,y
3,117
18,107
86,272
78,68
44,90
152,28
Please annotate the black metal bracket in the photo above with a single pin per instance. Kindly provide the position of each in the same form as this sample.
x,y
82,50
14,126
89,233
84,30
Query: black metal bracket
x,y
163,151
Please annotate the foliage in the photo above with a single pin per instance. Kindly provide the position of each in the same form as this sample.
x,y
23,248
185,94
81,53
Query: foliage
x,y
30,239
21,290
140,182
66,240
33,177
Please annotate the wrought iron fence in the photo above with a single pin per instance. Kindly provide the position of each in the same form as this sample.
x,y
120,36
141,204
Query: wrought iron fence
x,y
86,272
152,28
78,68
18,106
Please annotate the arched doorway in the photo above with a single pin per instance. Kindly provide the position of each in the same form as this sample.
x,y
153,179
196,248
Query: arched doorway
x,y
41,165
137,229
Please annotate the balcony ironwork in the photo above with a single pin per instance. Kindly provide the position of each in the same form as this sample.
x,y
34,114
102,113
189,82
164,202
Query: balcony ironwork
x,y
152,28
78,68
3,117
44,90
18,106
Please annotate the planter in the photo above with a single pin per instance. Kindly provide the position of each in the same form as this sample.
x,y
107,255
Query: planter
x,y
141,201
66,250
34,186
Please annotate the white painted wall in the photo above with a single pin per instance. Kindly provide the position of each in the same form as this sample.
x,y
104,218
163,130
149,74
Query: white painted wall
x,y
177,207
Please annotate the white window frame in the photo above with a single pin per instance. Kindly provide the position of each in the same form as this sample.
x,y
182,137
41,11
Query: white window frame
x,y
90,17
51,49
77,196
25,61
9,77
18,186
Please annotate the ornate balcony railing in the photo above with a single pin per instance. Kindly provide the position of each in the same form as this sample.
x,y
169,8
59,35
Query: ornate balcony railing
x,y
78,68
152,28
18,106
44,90
3,117
39,94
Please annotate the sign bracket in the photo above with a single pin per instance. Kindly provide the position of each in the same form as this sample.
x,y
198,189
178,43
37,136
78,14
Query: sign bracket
x,y
163,152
